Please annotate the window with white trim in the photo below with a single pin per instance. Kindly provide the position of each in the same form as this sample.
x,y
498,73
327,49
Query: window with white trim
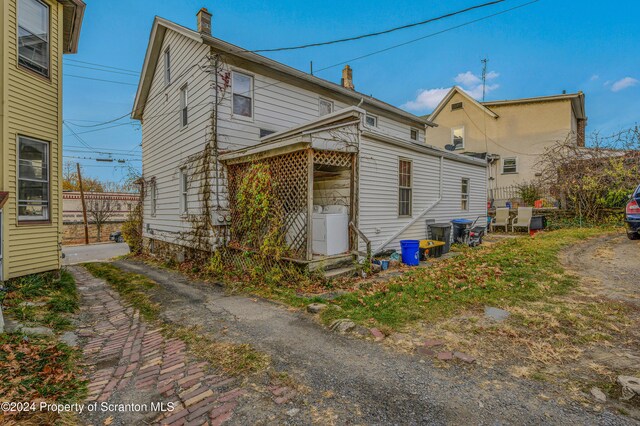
x,y
404,187
154,197
184,191
371,120
464,191
33,36
325,107
184,106
242,99
33,179
510,165
457,137
167,66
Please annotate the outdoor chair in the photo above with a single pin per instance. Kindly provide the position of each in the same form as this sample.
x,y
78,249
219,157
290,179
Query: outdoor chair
x,y
501,219
523,220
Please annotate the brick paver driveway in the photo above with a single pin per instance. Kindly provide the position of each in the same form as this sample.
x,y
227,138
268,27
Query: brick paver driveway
x,y
130,362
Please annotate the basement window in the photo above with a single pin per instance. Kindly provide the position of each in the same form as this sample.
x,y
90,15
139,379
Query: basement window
x,y
404,188
455,106
33,36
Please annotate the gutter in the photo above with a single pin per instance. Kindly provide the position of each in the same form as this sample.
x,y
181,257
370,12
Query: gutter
x,y
420,216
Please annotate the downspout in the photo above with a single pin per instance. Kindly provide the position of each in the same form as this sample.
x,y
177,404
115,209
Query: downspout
x,y
420,216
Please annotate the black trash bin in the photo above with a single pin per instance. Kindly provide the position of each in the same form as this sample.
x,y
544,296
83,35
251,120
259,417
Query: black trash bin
x,y
459,225
440,232
538,222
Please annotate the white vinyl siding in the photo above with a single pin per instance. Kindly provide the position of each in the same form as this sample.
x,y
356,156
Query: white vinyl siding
x,y
33,180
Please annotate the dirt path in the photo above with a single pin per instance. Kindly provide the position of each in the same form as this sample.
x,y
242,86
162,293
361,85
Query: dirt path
x,y
353,381
609,266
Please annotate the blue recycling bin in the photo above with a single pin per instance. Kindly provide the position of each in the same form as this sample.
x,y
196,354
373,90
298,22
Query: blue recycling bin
x,y
459,225
410,252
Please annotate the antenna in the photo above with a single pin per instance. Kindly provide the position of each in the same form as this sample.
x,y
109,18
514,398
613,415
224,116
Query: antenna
x,y
484,77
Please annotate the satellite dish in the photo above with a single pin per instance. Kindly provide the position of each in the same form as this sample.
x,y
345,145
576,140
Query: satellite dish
x,y
450,147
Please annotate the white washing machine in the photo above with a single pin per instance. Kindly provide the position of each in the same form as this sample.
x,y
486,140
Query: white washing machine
x,y
330,230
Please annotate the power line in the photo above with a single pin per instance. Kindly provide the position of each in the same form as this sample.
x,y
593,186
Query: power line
x,y
99,65
117,160
359,37
82,141
100,79
104,128
104,70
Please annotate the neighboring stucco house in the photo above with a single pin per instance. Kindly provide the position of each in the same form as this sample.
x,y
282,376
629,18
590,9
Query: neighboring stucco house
x,y
34,35
332,149
511,134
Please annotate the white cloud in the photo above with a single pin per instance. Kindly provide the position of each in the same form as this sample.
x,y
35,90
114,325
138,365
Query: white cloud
x,y
624,83
428,99
595,77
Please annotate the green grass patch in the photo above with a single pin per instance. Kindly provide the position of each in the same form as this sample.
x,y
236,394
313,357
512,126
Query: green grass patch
x,y
511,272
133,287
44,299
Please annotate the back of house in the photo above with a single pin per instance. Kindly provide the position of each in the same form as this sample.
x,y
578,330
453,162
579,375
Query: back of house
x,y
201,99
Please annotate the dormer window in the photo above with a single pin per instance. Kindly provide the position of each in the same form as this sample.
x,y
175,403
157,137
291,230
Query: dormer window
x,y
33,36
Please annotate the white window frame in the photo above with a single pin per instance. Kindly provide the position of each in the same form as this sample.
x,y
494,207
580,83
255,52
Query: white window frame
x,y
154,198
24,65
250,96
515,159
453,130
413,129
45,203
184,106
375,120
167,66
464,196
409,188
328,102
184,191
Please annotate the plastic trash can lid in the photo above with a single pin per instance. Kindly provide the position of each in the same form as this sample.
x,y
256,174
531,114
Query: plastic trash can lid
x,y
462,221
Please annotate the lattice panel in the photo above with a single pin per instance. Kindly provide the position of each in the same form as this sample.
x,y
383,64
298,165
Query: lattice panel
x,y
332,158
290,182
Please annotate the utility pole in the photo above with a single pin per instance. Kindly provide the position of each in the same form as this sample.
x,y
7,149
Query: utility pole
x,y
84,207
484,76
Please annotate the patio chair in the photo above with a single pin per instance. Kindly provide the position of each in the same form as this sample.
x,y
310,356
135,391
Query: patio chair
x,y
501,219
523,220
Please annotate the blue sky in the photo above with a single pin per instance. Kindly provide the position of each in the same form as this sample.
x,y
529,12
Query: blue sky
x,y
541,49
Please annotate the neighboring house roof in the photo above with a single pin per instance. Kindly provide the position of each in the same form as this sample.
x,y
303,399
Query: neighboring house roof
x,y
577,102
160,26
447,98
73,15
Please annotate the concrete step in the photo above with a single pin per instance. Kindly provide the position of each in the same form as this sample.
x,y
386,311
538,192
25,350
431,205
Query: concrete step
x,y
345,272
327,263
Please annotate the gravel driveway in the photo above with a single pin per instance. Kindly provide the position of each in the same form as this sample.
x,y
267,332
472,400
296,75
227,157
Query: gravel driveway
x,y
354,381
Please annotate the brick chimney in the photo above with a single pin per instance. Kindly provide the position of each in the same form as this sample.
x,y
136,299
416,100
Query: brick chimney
x,y
204,21
580,134
347,78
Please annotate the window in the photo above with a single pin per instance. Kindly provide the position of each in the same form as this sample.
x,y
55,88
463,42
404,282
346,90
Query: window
x,y
464,199
457,137
404,188
242,88
33,179
167,67
154,197
325,107
455,106
184,191
510,165
33,36
414,134
184,106
371,120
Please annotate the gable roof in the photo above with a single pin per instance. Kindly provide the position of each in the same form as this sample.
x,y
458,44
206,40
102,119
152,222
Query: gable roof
x,y
461,92
577,102
161,25
73,13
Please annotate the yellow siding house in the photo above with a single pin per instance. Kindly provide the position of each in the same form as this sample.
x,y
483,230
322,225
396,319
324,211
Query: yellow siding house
x,y
34,34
